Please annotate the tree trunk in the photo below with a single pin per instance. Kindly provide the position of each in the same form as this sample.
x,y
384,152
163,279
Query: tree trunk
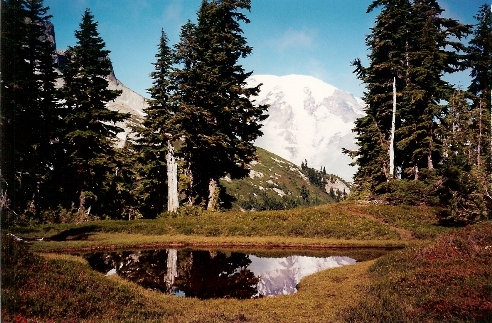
x,y
213,194
392,140
479,132
172,179
172,268
191,198
430,163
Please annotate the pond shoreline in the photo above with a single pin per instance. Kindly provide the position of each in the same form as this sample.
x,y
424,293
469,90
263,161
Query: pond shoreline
x,y
101,246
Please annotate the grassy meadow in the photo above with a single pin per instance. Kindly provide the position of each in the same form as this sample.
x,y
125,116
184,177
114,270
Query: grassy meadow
x,y
441,274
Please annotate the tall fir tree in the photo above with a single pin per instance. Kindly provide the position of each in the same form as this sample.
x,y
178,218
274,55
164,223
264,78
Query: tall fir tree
x,y
388,43
185,98
219,120
14,75
90,127
28,103
434,49
463,189
46,116
480,59
157,130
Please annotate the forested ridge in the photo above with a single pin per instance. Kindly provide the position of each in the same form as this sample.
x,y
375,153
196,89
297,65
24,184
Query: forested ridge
x,y
422,140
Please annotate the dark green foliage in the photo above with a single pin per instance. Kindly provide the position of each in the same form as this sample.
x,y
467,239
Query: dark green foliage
x,y
462,192
157,130
434,49
28,109
480,61
388,43
412,42
218,122
90,129
409,192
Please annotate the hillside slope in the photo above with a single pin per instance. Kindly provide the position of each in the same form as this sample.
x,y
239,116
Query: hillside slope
x,y
275,183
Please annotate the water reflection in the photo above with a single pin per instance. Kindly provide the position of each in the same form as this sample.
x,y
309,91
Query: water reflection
x,y
213,274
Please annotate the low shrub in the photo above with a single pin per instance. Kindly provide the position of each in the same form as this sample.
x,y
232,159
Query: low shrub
x,y
448,280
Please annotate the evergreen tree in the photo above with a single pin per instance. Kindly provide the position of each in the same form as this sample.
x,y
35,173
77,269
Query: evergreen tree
x,y
157,131
462,189
45,116
414,43
434,49
217,118
28,103
480,60
388,43
14,75
90,127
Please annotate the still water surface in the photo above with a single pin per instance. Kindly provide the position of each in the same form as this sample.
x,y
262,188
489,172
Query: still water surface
x,y
216,274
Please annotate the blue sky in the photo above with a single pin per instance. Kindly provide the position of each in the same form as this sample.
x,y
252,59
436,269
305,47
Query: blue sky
x,y
311,37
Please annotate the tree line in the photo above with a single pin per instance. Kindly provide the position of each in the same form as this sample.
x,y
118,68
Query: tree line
x,y
422,139
59,159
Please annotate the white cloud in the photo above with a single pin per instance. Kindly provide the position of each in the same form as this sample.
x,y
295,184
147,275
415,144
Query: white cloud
x,y
294,38
173,11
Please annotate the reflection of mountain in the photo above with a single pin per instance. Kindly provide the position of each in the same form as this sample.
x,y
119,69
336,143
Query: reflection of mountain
x,y
211,274
280,276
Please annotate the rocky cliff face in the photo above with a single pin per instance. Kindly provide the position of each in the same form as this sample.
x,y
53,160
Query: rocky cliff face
x,y
128,102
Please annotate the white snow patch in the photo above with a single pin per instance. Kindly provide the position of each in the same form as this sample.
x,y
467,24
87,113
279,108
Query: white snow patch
x,y
278,160
253,174
227,178
111,272
279,192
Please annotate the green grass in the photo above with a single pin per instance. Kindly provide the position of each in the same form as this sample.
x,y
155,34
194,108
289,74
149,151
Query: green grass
x,y
421,221
448,279
342,221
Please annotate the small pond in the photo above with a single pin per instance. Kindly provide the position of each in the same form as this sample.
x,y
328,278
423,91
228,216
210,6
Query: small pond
x,y
221,273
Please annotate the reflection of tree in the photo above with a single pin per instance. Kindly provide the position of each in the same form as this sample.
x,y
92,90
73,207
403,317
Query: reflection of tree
x,y
147,268
201,274
215,275
172,268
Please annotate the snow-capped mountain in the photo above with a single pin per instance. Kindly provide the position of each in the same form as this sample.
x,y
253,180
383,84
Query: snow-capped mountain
x,y
308,120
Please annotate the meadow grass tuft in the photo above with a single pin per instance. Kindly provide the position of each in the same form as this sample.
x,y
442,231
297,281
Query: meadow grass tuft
x,y
447,280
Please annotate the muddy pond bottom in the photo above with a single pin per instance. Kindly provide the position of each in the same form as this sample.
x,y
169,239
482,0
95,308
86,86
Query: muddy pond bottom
x,y
212,273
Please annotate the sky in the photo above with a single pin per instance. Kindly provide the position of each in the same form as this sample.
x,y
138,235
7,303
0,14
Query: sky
x,y
310,37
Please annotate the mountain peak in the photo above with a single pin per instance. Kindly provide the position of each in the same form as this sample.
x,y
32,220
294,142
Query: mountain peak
x,y
297,81
308,120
